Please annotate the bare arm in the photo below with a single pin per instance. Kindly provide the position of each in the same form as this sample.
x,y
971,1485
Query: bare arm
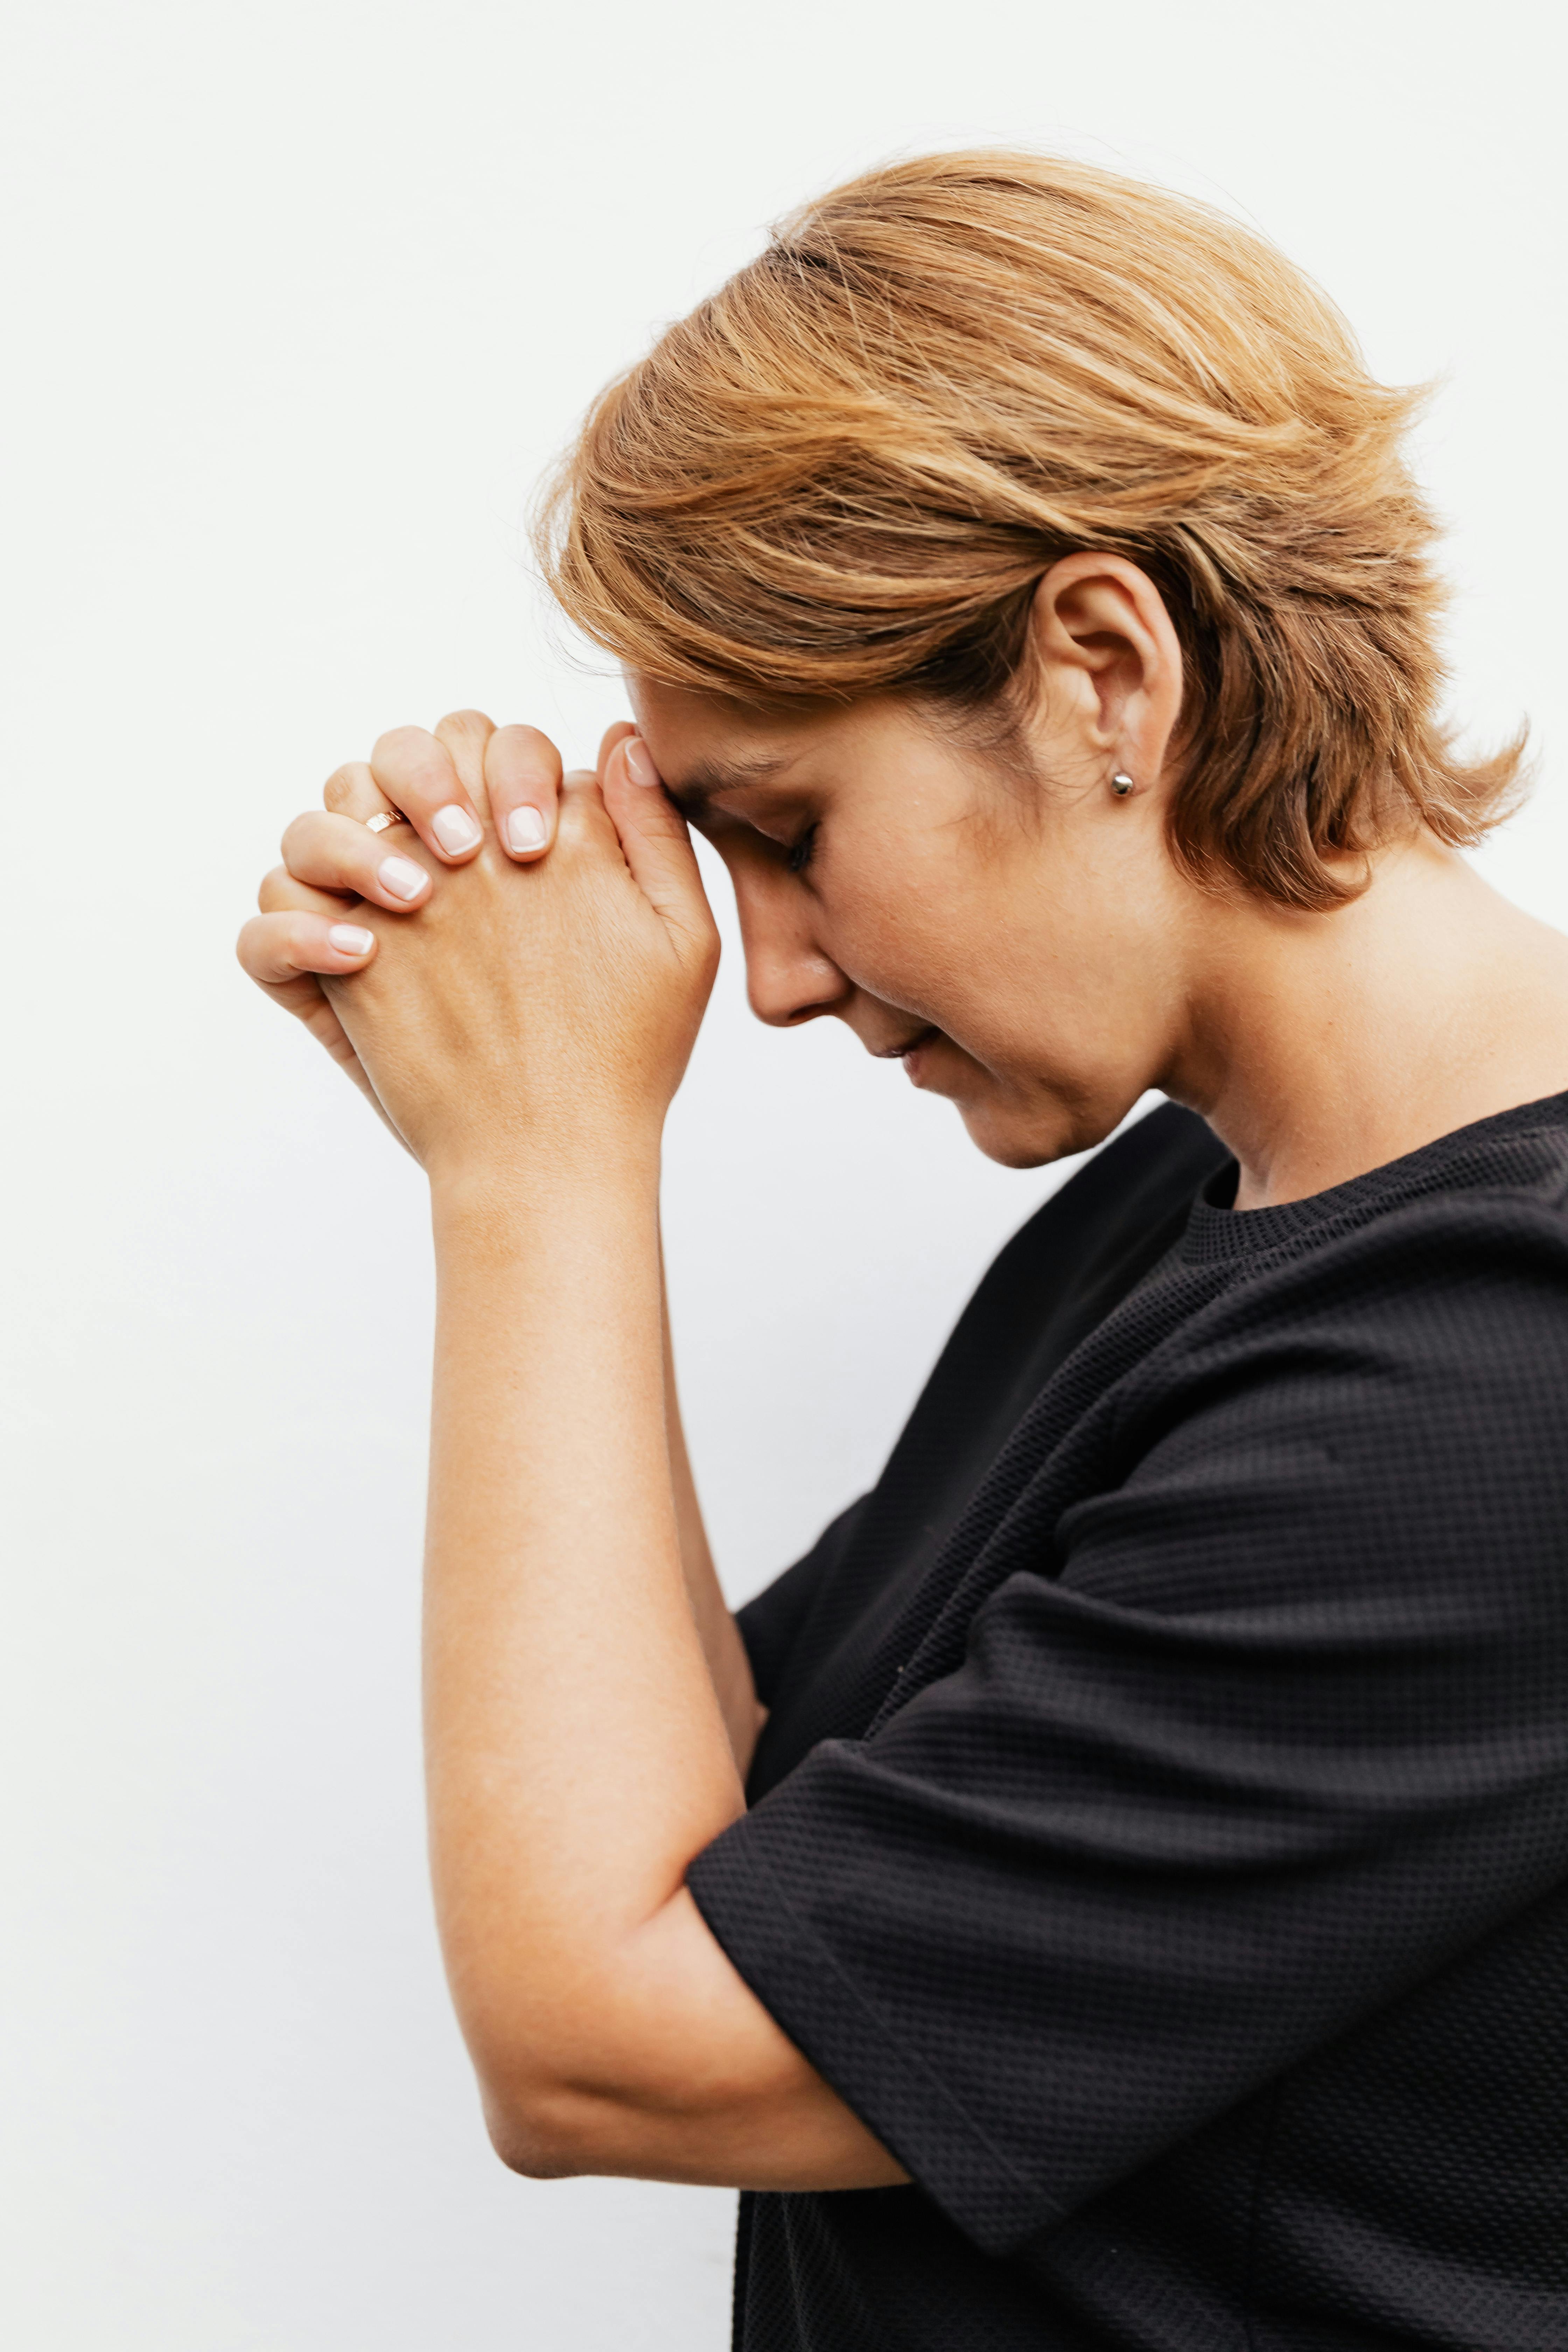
x,y
578,1756
725,1652
586,1693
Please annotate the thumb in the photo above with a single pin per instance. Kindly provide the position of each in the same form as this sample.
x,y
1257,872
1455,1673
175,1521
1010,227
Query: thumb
x,y
655,839
607,742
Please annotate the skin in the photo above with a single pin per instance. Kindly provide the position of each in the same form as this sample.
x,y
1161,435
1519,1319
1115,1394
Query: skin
x,y
521,1023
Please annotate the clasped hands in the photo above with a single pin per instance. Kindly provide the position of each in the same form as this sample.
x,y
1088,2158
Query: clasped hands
x,y
521,1013
521,968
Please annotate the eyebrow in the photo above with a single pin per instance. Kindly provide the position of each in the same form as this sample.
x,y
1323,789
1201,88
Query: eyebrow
x,y
710,777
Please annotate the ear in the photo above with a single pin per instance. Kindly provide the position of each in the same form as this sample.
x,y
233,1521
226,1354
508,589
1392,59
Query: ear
x,y
1109,663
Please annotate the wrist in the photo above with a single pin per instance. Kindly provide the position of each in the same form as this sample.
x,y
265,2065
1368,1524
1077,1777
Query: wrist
x,y
496,1197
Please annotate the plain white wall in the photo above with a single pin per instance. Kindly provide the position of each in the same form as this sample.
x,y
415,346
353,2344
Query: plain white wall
x,y
300,298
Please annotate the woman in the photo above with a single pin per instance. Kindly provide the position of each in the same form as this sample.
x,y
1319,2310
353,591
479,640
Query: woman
x,y
1149,1923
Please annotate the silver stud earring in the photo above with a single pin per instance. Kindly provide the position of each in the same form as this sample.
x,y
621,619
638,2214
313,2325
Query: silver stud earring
x,y
1120,785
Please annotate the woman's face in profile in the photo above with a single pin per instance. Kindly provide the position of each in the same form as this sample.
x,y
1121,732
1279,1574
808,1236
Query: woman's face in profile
x,y
1014,941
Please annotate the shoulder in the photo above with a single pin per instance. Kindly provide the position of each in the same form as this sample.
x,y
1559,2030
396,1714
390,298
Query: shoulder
x,y
1430,1276
1391,1404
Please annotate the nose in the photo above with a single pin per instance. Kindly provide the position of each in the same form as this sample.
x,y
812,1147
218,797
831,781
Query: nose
x,y
789,978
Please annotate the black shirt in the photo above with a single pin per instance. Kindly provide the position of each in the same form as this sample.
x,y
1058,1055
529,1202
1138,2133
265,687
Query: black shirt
x,y
1160,1836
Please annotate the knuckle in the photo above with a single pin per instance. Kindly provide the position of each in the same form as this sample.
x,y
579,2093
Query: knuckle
x,y
258,947
469,724
522,756
346,785
297,834
521,764
411,758
273,892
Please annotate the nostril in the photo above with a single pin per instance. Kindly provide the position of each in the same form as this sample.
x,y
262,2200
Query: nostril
x,y
784,1015
787,991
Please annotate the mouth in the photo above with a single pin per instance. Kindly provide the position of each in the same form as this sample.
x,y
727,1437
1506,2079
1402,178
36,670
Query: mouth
x,y
905,1046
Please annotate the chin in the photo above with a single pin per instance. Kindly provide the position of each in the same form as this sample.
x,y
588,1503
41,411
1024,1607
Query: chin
x,y
1008,1148
1033,1137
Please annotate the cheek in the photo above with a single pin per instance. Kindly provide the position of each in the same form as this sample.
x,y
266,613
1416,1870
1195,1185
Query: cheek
x,y
1016,949
909,952
904,920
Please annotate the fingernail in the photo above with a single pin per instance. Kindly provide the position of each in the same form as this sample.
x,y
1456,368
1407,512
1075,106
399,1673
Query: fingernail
x,y
455,829
401,876
525,829
349,940
639,766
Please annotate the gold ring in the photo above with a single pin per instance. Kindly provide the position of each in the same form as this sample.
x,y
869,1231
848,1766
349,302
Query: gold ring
x,y
385,821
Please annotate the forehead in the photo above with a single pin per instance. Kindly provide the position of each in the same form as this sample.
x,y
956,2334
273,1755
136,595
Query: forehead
x,y
702,744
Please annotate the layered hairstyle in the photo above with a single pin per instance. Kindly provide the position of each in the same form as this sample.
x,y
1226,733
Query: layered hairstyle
x,y
845,473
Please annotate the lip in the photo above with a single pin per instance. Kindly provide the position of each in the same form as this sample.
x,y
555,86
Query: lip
x,y
905,1046
910,1054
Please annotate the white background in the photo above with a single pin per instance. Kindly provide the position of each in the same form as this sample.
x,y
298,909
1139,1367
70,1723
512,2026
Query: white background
x,y
300,299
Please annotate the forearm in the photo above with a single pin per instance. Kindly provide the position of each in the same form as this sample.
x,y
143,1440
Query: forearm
x,y
726,1652
577,1754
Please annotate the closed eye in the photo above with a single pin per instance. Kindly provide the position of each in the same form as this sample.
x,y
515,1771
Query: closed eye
x,y
799,858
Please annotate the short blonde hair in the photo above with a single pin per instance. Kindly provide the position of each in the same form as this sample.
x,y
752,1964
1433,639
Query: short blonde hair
x,y
846,472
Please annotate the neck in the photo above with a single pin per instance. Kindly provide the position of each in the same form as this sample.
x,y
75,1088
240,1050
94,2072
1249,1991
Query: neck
x,y
1321,1047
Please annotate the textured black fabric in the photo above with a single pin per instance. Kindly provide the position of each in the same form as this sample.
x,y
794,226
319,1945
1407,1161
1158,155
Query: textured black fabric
x,y
1171,1866
772,1622
1054,1280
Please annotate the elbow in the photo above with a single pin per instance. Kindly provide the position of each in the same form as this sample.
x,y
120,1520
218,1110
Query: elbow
x,y
532,2107
530,2155
558,2082
544,2127
529,2131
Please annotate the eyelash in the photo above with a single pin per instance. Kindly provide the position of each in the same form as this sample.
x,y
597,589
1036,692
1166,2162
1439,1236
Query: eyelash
x,y
799,858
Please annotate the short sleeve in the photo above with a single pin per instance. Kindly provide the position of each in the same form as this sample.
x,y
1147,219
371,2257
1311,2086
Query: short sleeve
x,y
770,1624
1264,1726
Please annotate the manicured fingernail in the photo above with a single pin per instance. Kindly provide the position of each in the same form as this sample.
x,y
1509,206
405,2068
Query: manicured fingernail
x,y
525,829
455,829
349,940
401,876
639,766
